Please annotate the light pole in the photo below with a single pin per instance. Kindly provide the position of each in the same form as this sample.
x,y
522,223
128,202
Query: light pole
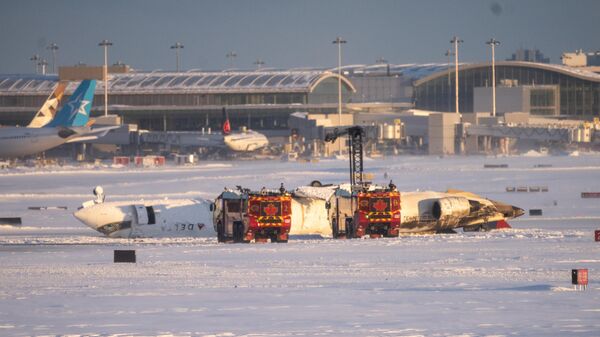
x,y
105,43
493,43
338,40
230,56
53,47
448,54
455,40
259,63
177,46
43,63
35,58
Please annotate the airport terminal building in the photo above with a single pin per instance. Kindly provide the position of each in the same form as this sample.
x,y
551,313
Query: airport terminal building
x,y
553,90
190,100
264,99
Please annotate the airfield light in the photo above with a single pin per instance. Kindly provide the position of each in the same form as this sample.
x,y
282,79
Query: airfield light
x,y
35,58
177,46
53,47
105,43
455,40
230,56
338,40
493,43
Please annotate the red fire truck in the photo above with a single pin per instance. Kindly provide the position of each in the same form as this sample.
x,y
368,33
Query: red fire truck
x,y
378,214
243,216
375,213
364,210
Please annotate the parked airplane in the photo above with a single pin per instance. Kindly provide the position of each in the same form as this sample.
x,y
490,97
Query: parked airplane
x,y
242,141
312,213
69,125
246,141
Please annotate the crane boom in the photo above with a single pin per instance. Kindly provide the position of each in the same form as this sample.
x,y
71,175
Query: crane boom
x,y
355,151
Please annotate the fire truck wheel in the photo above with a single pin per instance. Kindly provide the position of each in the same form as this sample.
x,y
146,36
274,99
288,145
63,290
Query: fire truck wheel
x,y
349,228
220,232
281,238
238,231
335,228
392,233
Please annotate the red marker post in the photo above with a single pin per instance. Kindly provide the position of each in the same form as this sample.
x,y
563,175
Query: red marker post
x,y
597,236
579,278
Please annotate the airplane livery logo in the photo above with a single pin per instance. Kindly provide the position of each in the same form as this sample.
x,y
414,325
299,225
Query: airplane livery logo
x,y
78,106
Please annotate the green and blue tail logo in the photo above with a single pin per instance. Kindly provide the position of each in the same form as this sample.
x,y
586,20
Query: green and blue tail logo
x,y
77,110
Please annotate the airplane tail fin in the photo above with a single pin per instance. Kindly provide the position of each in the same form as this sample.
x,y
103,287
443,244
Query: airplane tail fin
x,y
76,112
48,110
226,125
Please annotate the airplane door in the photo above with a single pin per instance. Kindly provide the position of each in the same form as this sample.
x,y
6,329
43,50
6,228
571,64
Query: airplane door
x,y
142,214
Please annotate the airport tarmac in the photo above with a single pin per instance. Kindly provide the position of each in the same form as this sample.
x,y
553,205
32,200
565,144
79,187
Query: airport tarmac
x,y
58,277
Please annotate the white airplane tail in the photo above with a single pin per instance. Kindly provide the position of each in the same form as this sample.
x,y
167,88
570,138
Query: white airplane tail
x,y
48,110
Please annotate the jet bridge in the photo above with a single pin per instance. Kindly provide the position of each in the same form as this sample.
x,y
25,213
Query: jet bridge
x,y
548,133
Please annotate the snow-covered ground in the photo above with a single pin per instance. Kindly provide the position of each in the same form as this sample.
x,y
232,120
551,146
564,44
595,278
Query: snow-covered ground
x,y
57,276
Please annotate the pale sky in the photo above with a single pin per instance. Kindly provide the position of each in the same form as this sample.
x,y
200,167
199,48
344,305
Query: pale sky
x,y
288,34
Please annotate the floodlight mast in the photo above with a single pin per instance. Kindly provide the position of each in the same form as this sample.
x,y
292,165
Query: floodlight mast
x,y
338,40
455,40
493,43
231,56
177,46
35,58
448,54
259,63
105,43
53,47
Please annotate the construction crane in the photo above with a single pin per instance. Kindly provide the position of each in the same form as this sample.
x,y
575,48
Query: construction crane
x,y
355,152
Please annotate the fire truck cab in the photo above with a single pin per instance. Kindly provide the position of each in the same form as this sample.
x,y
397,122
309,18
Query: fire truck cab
x,y
243,216
370,211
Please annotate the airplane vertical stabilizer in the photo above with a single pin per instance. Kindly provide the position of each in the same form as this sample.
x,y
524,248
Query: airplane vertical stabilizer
x,y
226,125
76,112
48,110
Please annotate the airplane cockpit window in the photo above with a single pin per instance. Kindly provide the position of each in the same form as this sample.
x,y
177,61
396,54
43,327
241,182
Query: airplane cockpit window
x,y
151,215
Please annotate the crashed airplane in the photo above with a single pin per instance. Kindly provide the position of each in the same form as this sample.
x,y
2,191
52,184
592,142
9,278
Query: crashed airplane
x,y
329,211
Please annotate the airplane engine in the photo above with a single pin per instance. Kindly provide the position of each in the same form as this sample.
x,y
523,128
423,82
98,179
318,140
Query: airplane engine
x,y
450,210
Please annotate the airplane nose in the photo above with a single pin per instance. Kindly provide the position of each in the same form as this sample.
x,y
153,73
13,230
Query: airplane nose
x,y
88,217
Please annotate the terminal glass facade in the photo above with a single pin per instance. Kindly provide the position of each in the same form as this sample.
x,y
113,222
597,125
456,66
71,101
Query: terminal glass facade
x,y
577,97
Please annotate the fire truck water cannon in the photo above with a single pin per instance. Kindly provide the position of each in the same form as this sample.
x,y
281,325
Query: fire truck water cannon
x,y
242,215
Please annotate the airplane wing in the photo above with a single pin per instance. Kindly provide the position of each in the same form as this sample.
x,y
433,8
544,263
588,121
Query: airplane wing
x,y
463,193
